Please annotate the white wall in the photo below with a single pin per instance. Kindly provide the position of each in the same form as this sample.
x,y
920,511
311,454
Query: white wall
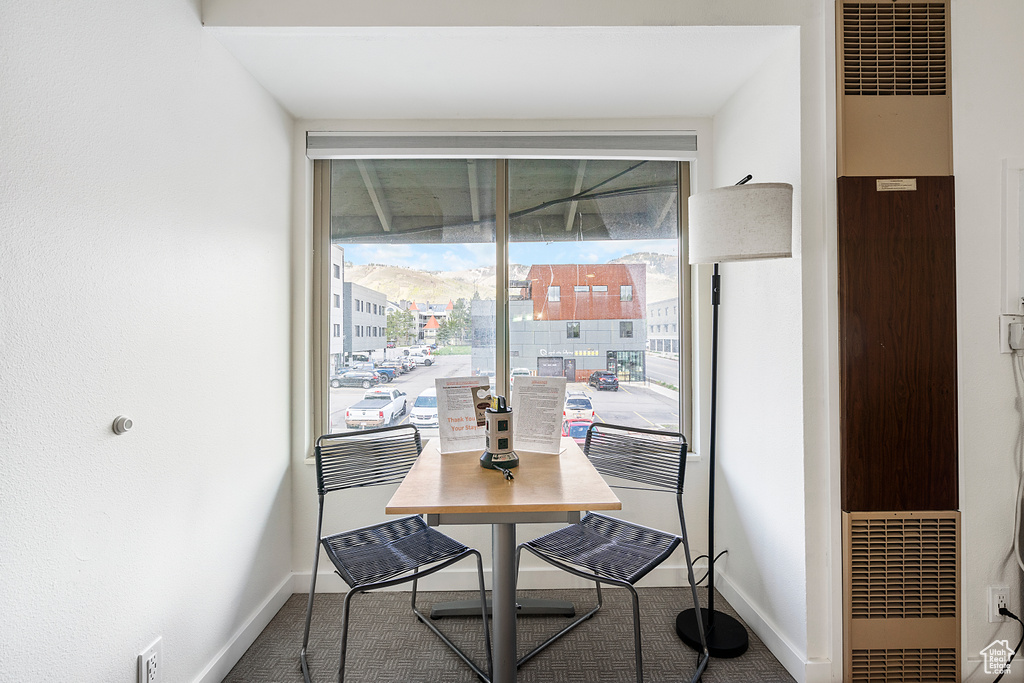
x,y
144,205
988,108
760,455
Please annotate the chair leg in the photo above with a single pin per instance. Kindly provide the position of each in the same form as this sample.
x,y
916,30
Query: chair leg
x,y
535,651
344,634
483,610
303,664
703,657
638,652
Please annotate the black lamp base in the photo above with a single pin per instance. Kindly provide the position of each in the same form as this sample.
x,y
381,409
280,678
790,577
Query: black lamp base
x,y
726,640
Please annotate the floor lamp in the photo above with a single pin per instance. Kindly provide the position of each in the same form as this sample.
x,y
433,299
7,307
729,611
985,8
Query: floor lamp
x,y
737,223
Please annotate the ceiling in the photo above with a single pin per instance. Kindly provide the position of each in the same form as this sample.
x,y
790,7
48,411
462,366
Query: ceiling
x,y
417,73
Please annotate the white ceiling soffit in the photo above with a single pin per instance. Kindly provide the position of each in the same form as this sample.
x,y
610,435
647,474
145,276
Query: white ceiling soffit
x,y
617,72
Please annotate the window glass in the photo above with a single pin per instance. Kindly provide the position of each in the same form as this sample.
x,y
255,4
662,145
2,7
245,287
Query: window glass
x,y
412,258
413,240
585,227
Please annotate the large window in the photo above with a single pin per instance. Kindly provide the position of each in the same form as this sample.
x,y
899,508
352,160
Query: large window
x,y
586,246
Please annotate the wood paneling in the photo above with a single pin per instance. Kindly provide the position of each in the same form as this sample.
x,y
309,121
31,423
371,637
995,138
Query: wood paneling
x,y
897,329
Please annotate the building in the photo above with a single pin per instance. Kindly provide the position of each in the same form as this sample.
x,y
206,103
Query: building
x,y
663,326
429,318
336,339
156,245
569,320
366,319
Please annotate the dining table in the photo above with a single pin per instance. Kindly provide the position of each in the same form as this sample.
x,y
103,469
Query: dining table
x,y
452,488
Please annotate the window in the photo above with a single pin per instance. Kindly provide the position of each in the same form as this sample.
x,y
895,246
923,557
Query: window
x,y
337,271
624,235
337,330
337,301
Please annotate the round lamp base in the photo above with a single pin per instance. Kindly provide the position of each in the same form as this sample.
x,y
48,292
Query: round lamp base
x,y
726,640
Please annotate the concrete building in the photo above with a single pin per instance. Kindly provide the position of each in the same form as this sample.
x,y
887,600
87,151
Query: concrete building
x,y
569,320
663,325
365,319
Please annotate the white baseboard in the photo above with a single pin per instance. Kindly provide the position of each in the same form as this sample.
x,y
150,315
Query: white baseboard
x,y
795,662
228,656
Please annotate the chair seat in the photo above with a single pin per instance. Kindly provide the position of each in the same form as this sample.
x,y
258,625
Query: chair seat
x,y
608,547
380,552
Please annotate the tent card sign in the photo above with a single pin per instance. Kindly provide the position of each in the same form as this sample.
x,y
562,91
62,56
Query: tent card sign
x,y
537,405
461,402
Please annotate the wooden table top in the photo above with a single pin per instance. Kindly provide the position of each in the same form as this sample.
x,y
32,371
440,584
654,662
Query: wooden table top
x,y
455,483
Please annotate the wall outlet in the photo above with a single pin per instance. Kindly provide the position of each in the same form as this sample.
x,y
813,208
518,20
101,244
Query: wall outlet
x,y
997,597
150,663
1008,323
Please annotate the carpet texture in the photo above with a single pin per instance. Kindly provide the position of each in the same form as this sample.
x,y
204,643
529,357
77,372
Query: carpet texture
x,y
387,643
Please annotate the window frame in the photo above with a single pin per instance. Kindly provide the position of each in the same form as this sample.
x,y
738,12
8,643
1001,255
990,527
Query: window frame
x,y
322,272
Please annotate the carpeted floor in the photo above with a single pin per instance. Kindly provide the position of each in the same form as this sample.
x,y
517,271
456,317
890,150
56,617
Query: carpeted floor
x,y
387,643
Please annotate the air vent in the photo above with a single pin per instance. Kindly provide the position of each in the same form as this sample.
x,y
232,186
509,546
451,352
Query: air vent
x,y
903,568
893,85
901,585
899,666
894,48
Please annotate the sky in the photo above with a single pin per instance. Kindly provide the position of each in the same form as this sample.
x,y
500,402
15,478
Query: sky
x,y
464,256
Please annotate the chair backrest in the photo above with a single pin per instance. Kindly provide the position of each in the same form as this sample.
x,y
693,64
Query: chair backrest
x,y
645,456
365,458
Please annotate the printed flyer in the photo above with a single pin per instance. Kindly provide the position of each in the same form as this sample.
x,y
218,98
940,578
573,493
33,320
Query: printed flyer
x,y
461,402
537,413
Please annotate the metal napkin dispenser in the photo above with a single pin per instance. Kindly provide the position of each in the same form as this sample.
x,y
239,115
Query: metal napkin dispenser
x,y
499,454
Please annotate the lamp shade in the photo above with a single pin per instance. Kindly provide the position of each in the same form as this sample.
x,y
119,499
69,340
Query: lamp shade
x,y
741,222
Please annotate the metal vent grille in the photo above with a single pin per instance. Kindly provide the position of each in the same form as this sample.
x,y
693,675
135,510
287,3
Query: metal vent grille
x,y
903,567
894,48
905,666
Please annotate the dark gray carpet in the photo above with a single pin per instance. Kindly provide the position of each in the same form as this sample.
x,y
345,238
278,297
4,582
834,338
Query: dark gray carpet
x,y
387,643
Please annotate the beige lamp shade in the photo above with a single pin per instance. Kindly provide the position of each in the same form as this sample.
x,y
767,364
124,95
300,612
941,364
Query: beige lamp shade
x,y
741,222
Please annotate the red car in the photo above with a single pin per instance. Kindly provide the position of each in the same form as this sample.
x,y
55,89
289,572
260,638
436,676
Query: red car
x,y
577,429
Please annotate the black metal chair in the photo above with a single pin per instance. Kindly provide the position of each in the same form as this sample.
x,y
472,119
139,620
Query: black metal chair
x,y
613,551
384,554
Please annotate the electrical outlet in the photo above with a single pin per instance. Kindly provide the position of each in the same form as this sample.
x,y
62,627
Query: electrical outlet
x,y
150,663
1005,323
997,597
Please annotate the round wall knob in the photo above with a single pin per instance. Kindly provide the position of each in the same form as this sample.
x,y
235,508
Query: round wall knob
x,y
122,424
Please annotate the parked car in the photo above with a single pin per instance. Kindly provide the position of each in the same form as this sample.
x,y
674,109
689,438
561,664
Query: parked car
x,y
578,407
391,343
604,379
396,365
355,378
424,409
421,358
577,429
384,375
379,408
518,372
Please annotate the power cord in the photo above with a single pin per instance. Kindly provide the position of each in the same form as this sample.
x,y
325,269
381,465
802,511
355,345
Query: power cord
x,y
699,557
1006,667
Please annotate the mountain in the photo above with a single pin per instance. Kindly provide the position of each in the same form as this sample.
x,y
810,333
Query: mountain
x,y
428,286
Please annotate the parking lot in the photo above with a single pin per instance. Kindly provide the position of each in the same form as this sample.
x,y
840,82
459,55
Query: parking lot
x,y
635,403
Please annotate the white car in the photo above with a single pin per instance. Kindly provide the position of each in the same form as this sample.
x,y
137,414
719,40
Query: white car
x,y
578,407
424,409
421,358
